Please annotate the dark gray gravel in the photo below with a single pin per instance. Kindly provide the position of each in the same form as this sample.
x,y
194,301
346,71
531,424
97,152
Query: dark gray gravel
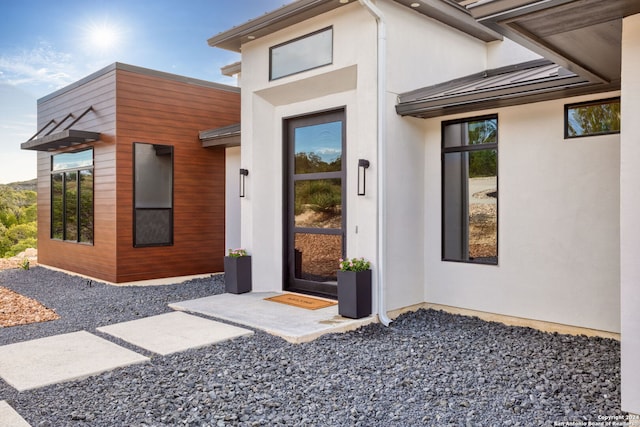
x,y
428,368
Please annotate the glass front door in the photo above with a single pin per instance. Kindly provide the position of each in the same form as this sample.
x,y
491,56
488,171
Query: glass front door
x,y
315,210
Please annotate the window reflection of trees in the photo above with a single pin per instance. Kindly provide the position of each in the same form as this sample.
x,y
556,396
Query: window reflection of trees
x,y
72,197
601,117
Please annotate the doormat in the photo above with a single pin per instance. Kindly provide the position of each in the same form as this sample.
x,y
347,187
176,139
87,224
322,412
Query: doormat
x,y
302,301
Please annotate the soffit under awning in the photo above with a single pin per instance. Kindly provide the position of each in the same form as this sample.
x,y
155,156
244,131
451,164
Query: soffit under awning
x,y
227,136
532,81
583,36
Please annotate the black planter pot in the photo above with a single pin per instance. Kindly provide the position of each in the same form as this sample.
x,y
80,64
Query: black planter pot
x,y
237,274
354,293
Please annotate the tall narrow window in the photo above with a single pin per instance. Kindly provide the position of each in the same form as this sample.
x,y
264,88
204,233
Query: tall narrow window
x,y
153,195
470,190
72,196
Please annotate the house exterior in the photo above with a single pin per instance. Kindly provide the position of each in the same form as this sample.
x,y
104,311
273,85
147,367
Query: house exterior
x,y
127,190
453,144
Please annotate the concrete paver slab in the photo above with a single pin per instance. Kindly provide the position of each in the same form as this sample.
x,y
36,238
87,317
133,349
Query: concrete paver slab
x,y
59,358
9,417
294,324
172,332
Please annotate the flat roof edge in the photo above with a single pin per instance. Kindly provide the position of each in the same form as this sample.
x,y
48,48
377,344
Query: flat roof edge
x,y
139,70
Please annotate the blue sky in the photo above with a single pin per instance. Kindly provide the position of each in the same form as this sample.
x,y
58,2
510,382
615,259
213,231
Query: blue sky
x,y
46,45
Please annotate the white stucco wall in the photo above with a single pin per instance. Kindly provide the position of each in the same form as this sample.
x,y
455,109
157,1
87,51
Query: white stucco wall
x,y
629,208
232,199
507,52
422,51
348,83
558,224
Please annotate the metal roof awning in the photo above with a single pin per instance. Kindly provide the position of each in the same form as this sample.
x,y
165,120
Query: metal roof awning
x,y
227,136
532,81
63,139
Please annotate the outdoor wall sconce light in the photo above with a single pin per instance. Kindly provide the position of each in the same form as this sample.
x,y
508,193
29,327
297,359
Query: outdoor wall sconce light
x,y
243,174
363,165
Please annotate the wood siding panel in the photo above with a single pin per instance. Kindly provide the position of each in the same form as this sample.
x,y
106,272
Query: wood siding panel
x,y
155,110
133,107
97,260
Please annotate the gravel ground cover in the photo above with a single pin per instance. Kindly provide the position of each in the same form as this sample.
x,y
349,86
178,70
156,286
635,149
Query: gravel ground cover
x,y
429,368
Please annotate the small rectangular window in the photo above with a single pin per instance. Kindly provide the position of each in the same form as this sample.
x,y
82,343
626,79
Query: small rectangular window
x,y
304,53
592,118
153,195
470,190
76,160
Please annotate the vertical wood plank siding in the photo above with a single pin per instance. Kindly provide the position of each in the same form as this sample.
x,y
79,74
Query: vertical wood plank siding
x,y
139,107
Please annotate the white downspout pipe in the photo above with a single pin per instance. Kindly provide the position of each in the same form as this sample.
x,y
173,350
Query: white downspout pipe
x,y
381,156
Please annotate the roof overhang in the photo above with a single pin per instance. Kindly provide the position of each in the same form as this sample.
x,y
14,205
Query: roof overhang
x,y
446,11
231,69
59,140
228,136
451,13
583,36
271,22
532,81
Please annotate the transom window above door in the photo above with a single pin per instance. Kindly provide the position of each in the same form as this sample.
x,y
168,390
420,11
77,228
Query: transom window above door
x,y
304,53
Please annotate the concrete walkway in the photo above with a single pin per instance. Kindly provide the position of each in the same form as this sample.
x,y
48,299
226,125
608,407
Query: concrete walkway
x,y
60,358
9,417
173,332
67,357
77,355
294,324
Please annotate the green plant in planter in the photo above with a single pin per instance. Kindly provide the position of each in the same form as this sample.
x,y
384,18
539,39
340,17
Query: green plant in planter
x,y
237,271
354,288
354,264
235,253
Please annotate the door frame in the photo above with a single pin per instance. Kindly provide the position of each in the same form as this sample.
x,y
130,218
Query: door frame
x,y
289,283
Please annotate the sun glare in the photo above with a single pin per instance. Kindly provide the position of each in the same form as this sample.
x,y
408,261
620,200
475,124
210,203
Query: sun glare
x,y
102,37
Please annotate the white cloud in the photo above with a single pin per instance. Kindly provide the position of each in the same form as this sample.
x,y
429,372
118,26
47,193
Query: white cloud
x,y
42,68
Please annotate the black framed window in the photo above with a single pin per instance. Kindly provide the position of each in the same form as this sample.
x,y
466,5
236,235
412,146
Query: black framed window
x,y
304,53
591,118
153,195
470,190
72,196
